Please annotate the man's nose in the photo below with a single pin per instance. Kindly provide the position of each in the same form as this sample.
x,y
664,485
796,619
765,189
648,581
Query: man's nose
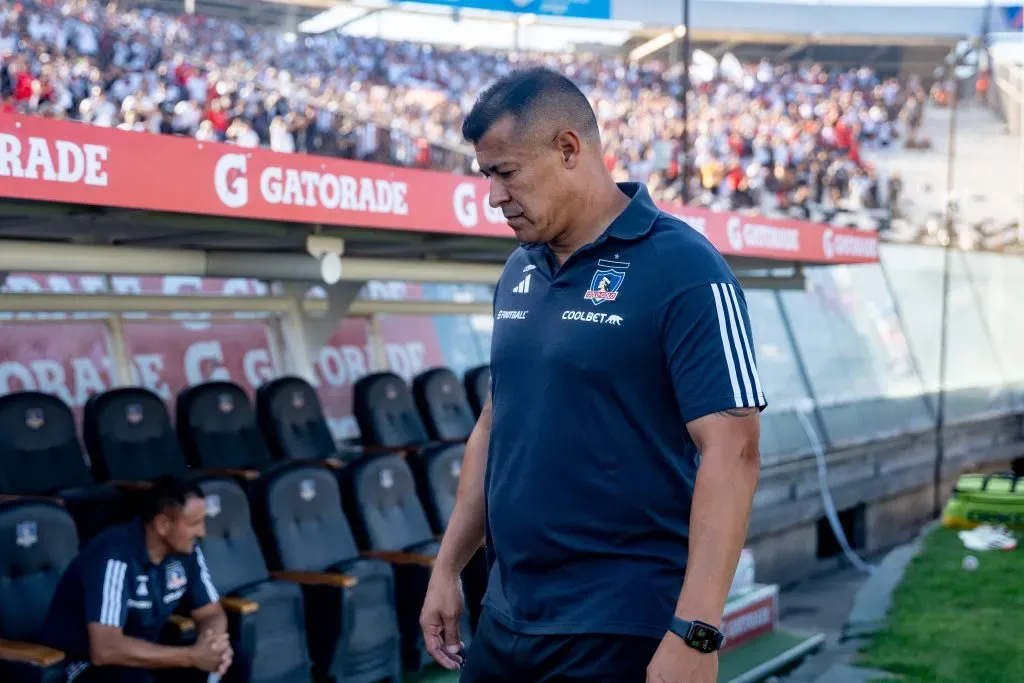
x,y
498,194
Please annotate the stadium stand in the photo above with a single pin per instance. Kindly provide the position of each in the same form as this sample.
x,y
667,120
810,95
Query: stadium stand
x,y
779,139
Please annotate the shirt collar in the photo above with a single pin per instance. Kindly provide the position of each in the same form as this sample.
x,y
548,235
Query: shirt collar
x,y
637,219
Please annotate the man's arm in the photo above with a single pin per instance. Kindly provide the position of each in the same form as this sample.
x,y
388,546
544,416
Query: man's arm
x,y
202,596
109,646
465,533
709,344
106,582
720,511
211,618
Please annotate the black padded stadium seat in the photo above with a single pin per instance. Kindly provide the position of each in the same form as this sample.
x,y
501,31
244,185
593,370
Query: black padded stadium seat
x,y
443,405
350,600
129,437
217,429
386,413
390,522
40,455
436,472
293,424
388,418
37,542
266,618
478,384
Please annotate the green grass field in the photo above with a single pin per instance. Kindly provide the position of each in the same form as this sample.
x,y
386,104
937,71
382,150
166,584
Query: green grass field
x,y
950,625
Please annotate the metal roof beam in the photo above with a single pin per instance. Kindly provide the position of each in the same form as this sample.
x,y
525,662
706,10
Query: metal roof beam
x,y
52,257
125,303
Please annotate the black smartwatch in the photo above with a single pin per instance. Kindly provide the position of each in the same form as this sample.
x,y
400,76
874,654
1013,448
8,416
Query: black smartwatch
x,y
698,635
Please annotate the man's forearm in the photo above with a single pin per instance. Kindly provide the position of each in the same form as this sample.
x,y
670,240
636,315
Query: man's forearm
x,y
141,654
465,532
719,517
216,622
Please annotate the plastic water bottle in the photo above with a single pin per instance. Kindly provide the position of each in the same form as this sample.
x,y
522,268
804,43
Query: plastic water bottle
x,y
213,678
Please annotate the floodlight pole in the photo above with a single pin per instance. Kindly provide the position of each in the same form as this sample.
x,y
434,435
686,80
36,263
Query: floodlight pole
x,y
685,141
947,255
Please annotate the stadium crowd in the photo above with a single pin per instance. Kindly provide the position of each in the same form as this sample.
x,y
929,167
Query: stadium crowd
x,y
763,137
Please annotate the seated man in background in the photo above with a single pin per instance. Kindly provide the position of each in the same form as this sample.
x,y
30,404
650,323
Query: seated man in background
x,y
116,597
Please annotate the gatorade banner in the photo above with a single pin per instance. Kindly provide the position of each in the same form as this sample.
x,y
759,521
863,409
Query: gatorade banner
x,y
75,163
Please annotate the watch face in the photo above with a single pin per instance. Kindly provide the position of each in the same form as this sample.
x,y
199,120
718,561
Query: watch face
x,y
701,638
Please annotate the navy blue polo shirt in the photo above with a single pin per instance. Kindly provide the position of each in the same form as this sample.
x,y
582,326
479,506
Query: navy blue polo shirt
x,y
114,582
597,366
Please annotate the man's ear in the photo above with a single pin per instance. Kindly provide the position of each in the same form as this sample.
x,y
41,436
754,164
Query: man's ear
x,y
570,147
162,523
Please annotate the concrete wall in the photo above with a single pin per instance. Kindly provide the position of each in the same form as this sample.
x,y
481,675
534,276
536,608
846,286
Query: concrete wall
x,y
892,478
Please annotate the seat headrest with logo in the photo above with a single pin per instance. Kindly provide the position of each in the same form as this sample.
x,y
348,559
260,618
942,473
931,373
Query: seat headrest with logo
x,y
387,504
386,413
440,482
301,510
38,541
218,429
39,448
442,403
478,386
129,436
231,547
292,421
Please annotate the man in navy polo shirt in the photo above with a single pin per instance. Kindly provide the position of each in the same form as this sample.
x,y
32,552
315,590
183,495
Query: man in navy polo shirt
x,y
117,595
622,359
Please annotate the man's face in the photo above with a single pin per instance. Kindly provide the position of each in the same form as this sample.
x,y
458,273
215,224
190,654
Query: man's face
x,y
181,528
528,182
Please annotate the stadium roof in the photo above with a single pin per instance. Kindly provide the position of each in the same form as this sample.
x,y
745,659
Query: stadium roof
x,y
468,28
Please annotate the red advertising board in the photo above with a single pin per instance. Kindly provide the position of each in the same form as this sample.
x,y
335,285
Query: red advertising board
x,y
71,359
750,616
57,161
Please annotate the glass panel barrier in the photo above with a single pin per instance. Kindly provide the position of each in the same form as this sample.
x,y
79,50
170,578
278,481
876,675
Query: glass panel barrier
x,y
998,283
782,436
974,384
857,359
974,380
464,340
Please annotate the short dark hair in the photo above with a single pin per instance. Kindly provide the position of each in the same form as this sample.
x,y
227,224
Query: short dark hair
x,y
530,96
168,493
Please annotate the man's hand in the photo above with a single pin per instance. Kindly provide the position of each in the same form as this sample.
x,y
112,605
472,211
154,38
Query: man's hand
x,y
227,657
677,662
439,618
212,652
